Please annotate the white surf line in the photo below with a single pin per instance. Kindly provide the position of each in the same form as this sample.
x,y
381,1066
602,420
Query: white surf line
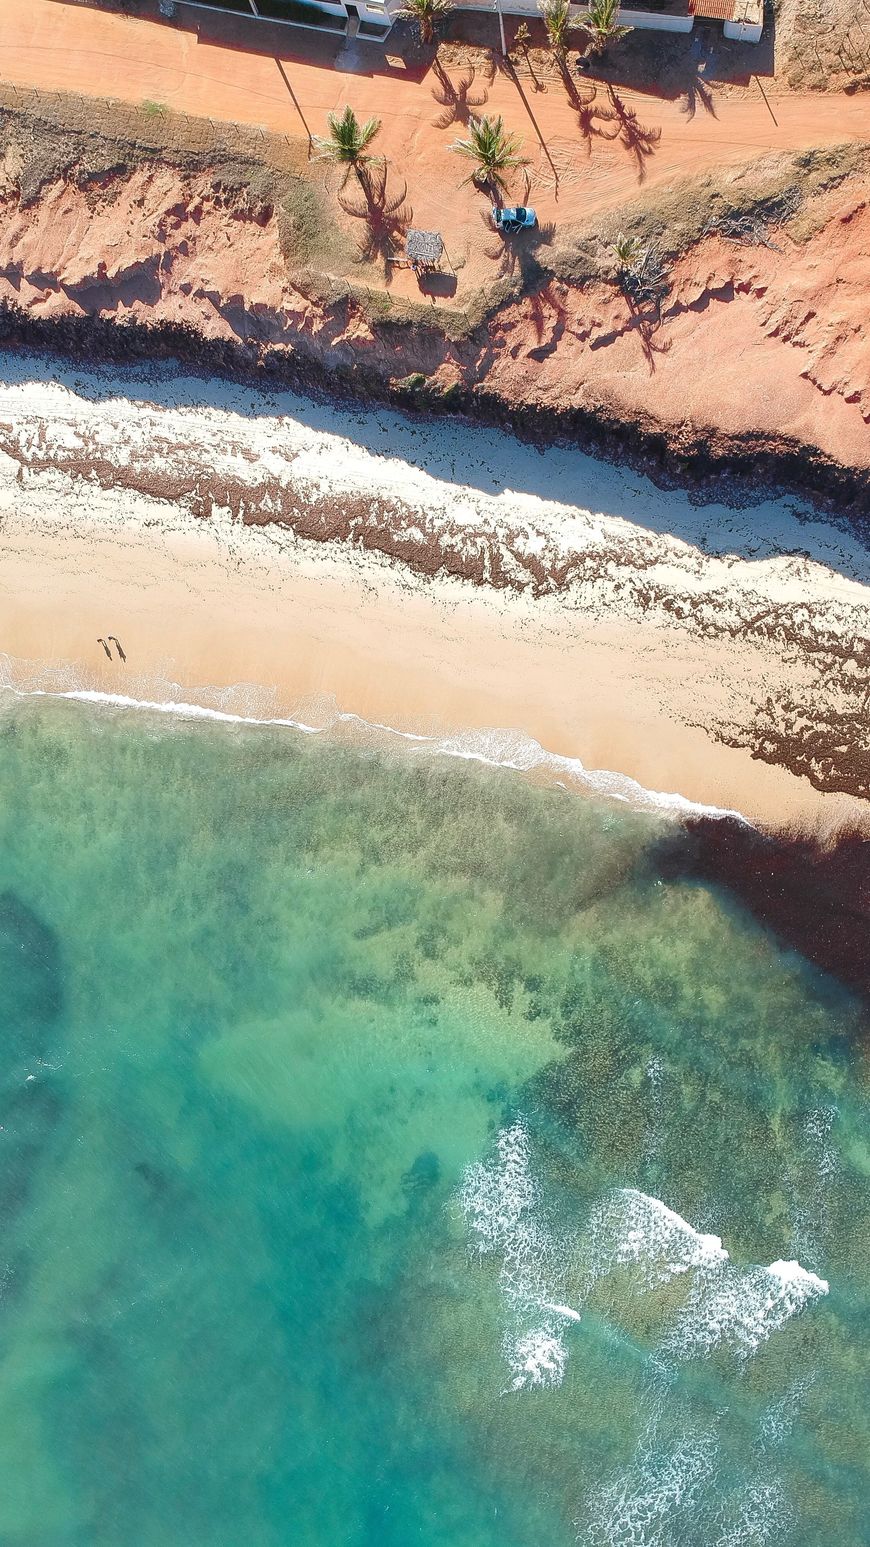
x,y
605,782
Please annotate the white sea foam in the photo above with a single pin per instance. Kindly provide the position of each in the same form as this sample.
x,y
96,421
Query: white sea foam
x,y
779,1419
500,1200
739,1308
759,1515
631,1228
727,1306
537,1358
810,1182
654,1503
511,750
655,1073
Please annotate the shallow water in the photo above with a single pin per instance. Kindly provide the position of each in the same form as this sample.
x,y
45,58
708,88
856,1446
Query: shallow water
x,y
375,1134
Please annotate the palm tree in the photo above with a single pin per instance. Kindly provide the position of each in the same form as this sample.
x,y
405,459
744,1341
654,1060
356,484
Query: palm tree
x,y
428,14
642,275
348,141
557,20
629,253
602,25
522,38
492,148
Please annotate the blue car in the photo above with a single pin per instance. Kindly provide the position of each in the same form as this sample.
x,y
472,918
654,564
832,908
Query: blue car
x,y
517,218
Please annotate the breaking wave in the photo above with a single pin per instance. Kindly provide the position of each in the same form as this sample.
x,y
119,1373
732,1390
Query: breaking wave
x,y
741,1307
509,749
502,1206
543,1270
632,1229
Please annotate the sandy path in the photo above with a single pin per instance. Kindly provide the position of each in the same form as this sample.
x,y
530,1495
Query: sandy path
x,y
62,47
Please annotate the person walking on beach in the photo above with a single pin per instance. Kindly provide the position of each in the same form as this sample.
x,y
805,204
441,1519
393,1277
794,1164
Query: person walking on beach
x,y
101,641
114,641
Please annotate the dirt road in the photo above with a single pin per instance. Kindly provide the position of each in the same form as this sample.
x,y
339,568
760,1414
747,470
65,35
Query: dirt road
x,y
578,166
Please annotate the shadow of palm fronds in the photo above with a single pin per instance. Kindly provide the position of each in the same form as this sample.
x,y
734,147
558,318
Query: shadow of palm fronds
x,y
591,116
638,140
647,321
698,91
458,98
386,213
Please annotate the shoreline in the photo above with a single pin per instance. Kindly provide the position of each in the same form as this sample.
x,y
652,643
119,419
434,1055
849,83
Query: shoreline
x,y
530,759
257,621
598,664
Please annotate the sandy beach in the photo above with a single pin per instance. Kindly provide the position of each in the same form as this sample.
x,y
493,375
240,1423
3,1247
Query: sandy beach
x,y
461,606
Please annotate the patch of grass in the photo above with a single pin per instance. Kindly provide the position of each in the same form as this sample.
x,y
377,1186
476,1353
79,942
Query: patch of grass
x,y
308,231
58,134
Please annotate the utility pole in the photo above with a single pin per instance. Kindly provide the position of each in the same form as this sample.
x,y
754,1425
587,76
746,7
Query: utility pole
x,y
501,29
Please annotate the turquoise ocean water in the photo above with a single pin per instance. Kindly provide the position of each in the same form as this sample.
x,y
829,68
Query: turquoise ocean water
x,y
392,1155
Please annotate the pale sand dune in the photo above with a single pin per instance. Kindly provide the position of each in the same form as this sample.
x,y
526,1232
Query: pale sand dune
x,y
633,665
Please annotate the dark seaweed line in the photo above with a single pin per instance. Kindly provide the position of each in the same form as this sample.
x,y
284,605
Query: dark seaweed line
x,y
735,470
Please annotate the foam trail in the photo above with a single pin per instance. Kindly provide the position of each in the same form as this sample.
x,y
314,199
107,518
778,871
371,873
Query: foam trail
x,y
740,1308
562,1310
500,1200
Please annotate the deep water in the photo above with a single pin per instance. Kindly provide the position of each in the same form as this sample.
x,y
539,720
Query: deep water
x,y
373,1135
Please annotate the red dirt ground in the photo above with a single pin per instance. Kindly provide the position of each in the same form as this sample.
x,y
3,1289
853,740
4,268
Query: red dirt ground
x,y
751,341
56,46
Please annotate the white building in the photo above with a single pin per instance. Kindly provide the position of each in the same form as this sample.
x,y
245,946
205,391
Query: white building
x,y
373,19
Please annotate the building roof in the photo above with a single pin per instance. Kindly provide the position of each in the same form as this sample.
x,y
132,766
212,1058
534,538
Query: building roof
x,y
423,246
713,10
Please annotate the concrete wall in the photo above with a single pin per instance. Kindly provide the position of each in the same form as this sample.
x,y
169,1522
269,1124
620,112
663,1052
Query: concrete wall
x,y
653,21
748,22
656,21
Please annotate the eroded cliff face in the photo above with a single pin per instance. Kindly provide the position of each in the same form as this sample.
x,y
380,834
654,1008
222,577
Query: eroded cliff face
x,y
759,354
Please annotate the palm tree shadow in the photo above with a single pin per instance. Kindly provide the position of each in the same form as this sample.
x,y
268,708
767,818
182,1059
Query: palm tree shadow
x,y
386,214
646,320
698,91
639,141
549,318
459,100
537,84
590,117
